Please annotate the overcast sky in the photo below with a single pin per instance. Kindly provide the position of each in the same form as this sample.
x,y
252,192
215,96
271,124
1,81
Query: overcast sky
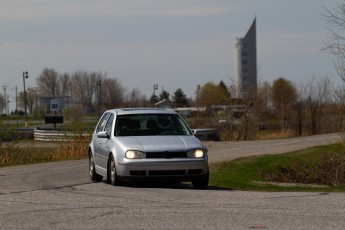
x,y
172,43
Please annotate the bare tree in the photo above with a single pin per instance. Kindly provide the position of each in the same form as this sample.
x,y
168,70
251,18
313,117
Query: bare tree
x,y
335,42
65,82
136,99
78,91
112,93
48,82
283,97
84,87
263,99
299,111
335,45
248,125
31,99
2,102
91,84
339,100
317,93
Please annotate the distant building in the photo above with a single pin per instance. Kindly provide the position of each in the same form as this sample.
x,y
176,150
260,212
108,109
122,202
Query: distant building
x,y
54,104
246,69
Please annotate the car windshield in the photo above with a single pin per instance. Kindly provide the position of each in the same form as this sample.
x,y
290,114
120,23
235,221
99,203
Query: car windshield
x,y
150,125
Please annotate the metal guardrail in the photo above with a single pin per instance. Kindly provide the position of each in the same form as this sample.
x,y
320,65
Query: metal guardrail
x,y
54,135
20,133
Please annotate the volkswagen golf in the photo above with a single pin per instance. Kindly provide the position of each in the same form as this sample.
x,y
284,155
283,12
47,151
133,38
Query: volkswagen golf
x,y
139,144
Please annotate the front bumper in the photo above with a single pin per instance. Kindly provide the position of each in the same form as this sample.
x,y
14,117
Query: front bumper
x,y
180,169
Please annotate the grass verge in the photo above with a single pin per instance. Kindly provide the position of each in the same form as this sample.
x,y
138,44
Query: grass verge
x,y
260,173
12,154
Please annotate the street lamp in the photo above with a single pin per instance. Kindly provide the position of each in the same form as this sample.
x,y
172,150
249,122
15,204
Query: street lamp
x,y
25,75
99,97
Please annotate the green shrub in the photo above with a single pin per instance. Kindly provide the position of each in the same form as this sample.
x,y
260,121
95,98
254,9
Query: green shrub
x,y
329,169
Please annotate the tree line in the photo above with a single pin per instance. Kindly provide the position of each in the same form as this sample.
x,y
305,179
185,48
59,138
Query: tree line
x,y
313,107
89,90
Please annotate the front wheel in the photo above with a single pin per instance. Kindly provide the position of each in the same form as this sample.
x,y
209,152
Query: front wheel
x,y
92,171
111,172
202,182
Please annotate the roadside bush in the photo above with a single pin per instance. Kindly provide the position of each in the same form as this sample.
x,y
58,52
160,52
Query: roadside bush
x,y
7,152
328,170
297,172
331,169
7,148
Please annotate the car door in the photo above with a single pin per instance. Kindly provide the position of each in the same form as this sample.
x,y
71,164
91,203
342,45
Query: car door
x,y
105,143
97,141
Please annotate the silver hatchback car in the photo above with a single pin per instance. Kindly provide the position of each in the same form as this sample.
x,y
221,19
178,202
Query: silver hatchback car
x,y
146,144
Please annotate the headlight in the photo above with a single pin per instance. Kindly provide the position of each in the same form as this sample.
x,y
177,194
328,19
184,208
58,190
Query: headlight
x,y
197,153
133,154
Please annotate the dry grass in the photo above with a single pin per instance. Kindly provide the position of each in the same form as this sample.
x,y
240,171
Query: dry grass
x,y
74,149
15,153
12,153
275,135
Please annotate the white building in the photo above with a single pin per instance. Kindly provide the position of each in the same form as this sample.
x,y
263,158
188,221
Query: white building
x,y
246,69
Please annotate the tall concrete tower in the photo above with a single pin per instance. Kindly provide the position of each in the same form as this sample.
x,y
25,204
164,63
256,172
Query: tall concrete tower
x,y
246,70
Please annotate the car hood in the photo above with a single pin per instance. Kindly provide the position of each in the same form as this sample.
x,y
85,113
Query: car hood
x,y
160,143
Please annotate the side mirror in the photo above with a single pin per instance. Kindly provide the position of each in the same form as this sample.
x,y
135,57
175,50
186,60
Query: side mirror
x,y
102,134
195,132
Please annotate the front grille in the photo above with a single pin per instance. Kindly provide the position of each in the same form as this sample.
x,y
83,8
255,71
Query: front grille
x,y
167,172
166,154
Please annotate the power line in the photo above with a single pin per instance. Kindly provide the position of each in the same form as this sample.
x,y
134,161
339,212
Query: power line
x,y
12,80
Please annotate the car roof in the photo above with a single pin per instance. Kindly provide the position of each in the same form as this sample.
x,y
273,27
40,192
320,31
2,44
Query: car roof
x,y
126,111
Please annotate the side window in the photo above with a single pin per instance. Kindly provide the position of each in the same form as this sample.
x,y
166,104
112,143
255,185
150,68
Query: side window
x,y
109,124
102,122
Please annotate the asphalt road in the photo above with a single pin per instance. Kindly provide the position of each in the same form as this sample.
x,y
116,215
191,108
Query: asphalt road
x,y
223,151
59,195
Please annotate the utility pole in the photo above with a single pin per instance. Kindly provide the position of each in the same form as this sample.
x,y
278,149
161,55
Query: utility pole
x,y
25,75
16,111
36,99
16,98
155,87
5,98
8,109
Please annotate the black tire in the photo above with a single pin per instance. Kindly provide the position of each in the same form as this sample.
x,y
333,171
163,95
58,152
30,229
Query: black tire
x,y
111,172
92,171
201,183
